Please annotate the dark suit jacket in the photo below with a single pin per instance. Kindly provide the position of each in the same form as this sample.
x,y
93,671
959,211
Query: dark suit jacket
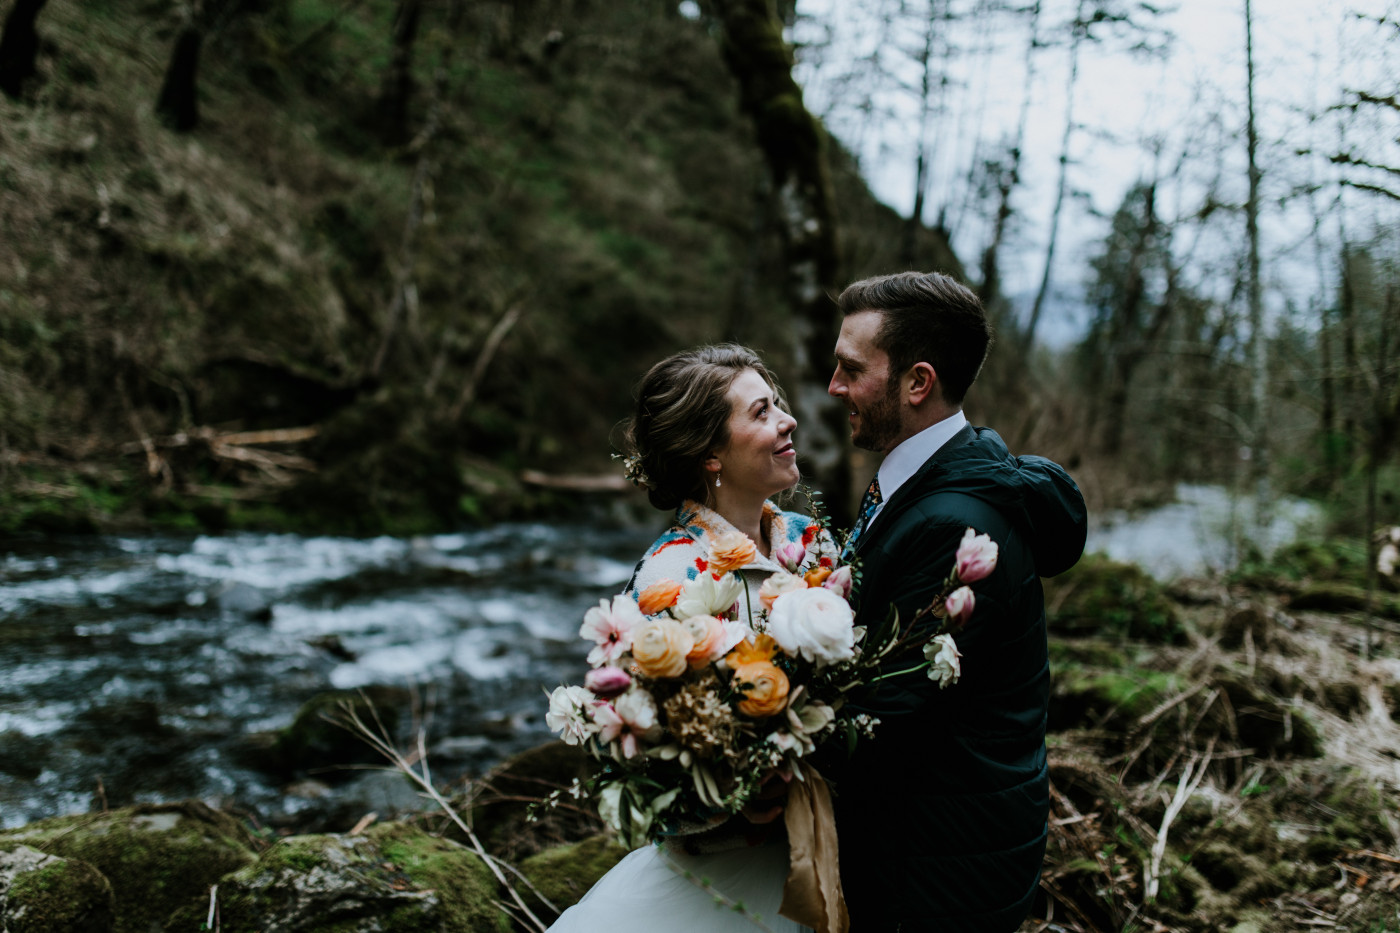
x,y
942,816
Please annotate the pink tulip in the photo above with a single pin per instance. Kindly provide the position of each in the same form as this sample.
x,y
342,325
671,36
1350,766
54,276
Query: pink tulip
x,y
840,582
607,681
977,557
960,604
790,556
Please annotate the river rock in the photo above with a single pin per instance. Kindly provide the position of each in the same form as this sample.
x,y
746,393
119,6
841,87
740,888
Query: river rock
x,y
500,808
42,893
316,739
394,877
156,857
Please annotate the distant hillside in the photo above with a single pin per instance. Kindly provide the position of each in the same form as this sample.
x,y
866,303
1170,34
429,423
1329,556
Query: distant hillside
x,y
443,294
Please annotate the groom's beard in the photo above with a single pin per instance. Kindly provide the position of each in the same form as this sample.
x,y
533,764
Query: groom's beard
x,y
879,422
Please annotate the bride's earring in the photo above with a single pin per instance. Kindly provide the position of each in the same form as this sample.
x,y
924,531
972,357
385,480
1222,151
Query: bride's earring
x,y
717,475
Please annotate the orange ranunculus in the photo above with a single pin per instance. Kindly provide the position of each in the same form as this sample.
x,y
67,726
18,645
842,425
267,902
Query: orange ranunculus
x,y
748,651
658,597
817,576
708,633
731,551
765,688
659,647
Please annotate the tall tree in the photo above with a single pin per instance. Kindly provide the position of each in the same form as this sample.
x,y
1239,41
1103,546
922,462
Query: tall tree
x,y
398,85
1258,342
794,149
178,102
19,46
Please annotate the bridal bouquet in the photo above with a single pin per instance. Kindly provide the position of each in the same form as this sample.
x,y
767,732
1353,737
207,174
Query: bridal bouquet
x,y
699,692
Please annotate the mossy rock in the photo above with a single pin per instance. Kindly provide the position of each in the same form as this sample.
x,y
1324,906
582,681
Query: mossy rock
x,y
315,739
1247,623
1102,596
396,878
156,856
1087,698
1265,723
1342,597
499,811
564,874
42,893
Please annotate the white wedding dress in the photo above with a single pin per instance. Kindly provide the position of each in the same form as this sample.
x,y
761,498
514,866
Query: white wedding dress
x,y
649,892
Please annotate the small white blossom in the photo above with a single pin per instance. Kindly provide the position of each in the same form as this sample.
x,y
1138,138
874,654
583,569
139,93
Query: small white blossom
x,y
944,655
568,714
706,596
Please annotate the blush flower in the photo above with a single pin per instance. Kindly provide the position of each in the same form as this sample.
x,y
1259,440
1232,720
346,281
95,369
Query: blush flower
x,y
945,668
710,636
778,584
764,686
610,628
840,582
628,719
607,681
658,597
660,646
569,714
959,605
706,596
731,550
977,556
790,556
814,623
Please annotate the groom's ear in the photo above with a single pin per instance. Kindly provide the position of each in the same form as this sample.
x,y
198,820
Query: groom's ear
x,y
923,383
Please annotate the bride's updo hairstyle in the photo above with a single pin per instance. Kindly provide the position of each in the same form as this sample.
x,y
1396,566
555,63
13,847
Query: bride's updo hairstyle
x,y
682,417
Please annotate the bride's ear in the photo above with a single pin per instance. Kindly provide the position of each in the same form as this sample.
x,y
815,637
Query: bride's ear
x,y
712,464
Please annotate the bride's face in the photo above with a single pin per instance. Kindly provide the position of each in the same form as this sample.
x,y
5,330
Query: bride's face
x,y
759,457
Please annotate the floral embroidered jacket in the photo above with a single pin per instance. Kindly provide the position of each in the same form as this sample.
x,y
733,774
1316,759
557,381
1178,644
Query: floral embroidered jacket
x,y
681,551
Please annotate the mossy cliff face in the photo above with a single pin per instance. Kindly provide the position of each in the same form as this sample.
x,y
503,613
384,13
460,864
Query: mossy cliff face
x,y
393,878
154,858
41,893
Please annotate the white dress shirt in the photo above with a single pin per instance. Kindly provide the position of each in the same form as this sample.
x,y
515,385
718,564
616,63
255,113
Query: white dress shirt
x,y
904,461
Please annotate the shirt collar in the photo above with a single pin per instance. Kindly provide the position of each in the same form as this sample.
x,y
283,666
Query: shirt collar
x,y
904,461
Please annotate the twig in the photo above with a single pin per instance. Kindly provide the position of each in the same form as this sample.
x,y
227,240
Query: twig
x,y
1185,787
380,742
483,359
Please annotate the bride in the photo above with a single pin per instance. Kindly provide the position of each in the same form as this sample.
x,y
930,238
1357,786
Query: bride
x,y
711,439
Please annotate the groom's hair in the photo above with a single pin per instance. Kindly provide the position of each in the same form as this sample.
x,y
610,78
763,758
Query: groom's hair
x,y
926,317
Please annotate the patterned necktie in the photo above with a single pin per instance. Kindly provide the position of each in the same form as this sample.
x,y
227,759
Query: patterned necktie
x,y
868,504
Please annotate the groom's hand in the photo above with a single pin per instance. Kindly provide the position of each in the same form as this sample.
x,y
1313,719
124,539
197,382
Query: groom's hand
x,y
767,804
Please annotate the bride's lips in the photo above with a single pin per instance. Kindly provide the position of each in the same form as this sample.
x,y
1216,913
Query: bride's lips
x,y
786,450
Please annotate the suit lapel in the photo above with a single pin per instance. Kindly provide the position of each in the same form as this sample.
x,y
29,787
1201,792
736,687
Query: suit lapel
x,y
906,493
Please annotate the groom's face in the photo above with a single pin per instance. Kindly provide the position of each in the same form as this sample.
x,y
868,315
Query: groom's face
x,y
862,381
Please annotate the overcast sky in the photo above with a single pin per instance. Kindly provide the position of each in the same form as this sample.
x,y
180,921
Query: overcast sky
x,y
1308,53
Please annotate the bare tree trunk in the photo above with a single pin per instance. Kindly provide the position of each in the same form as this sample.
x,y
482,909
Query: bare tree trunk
x,y
1009,178
178,103
910,247
19,46
398,86
794,149
1062,185
1258,344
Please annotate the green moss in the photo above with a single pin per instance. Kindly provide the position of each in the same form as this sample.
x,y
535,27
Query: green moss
x,y
156,856
565,873
1102,596
56,894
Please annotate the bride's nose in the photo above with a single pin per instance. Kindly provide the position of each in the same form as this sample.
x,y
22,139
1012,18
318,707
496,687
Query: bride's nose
x,y
788,424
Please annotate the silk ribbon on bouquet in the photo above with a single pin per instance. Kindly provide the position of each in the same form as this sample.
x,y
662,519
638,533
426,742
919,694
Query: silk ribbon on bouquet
x,y
812,895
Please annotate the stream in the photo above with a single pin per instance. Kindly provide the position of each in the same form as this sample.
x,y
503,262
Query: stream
x,y
136,669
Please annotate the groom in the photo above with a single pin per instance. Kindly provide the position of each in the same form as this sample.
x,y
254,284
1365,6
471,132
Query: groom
x,y
942,816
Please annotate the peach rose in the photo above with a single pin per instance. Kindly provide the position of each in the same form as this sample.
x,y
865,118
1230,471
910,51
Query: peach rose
x,y
660,646
764,686
709,635
658,597
778,584
731,551
817,576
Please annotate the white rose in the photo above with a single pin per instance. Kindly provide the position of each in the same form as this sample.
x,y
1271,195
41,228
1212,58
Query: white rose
x,y
778,584
568,714
815,623
944,655
706,596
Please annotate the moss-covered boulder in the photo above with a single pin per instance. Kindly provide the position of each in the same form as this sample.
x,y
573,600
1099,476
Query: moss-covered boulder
x,y
42,893
500,806
395,877
155,856
564,874
316,738
1343,597
1101,596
